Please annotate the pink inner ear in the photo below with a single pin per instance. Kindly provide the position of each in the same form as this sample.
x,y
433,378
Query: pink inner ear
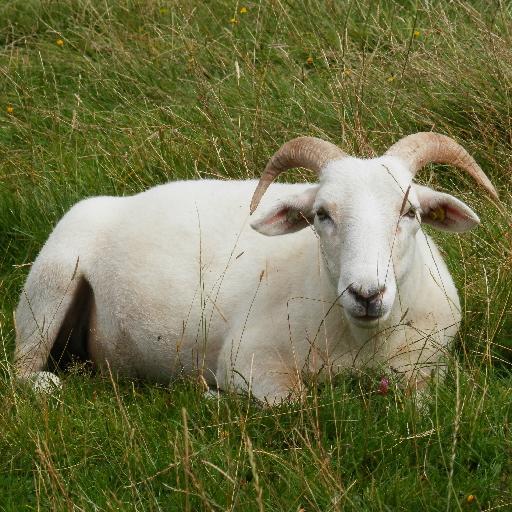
x,y
446,214
280,216
454,214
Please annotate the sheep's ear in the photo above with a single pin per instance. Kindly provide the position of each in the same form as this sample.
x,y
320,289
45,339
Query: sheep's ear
x,y
444,211
288,215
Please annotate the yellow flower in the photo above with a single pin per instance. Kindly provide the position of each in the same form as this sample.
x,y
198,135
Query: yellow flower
x,y
347,72
59,42
391,78
233,21
10,109
416,33
243,10
471,498
440,214
309,60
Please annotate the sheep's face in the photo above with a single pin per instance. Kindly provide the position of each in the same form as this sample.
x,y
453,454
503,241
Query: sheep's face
x,y
367,233
367,214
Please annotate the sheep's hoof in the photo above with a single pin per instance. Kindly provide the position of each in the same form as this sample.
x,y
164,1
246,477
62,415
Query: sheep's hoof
x,y
45,383
212,394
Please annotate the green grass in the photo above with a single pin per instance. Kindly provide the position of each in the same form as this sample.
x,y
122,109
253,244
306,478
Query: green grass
x,y
145,91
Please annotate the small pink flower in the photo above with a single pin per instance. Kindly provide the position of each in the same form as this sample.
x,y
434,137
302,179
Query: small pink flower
x,y
383,386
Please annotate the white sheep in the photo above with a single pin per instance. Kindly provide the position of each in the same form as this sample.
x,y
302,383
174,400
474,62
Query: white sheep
x,y
174,281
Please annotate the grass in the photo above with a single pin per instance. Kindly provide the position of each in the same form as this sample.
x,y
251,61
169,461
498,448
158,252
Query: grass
x,y
138,92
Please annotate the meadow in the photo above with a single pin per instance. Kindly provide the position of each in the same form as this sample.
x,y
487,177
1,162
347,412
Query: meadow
x,y
114,96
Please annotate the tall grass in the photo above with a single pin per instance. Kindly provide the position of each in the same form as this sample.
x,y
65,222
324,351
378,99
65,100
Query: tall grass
x,y
111,97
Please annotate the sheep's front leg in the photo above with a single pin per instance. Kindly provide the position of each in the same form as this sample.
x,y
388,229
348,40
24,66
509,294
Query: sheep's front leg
x,y
268,379
274,386
417,362
419,380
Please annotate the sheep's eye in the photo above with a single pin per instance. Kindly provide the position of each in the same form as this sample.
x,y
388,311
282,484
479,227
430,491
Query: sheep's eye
x,y
411,213
322,215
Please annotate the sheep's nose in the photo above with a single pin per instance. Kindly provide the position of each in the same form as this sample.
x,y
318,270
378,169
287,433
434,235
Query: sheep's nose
x,y
366,297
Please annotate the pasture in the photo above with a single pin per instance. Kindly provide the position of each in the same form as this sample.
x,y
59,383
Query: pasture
x,y
110,97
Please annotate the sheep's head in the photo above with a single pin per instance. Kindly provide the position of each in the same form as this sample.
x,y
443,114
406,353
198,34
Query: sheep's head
x,y
367,213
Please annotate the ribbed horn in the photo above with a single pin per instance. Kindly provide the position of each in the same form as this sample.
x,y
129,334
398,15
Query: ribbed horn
x,y
308,152
423,148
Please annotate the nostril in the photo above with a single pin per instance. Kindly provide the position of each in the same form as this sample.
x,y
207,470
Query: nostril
x,y
367,302
377,293
357,293
366,295
354,290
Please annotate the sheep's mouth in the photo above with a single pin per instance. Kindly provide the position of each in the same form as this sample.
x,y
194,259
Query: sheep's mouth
x,y
366,320
369,318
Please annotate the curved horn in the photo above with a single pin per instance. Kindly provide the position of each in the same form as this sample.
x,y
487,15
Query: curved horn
x,y
422,148
308,152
